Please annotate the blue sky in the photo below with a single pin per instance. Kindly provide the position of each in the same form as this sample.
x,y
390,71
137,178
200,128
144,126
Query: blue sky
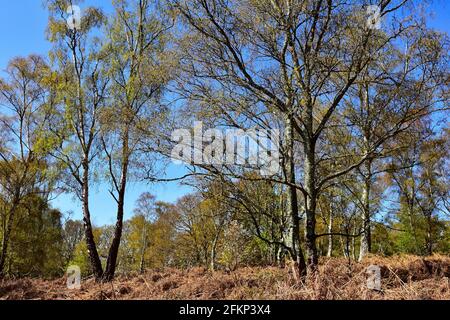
x,y
22,30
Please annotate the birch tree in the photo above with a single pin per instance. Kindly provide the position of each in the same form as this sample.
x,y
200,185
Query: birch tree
x,y
24,103
81,90
140,67
297,60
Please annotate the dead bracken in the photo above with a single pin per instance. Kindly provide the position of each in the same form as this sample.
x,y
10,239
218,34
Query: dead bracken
x,y
402,277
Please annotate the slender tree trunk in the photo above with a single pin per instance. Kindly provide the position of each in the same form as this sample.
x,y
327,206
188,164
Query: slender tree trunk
x,y
366,238
310,206
90,242
111,262
344,246
354,243
280,257
410,198
293,235
114,249
330,230
347,248
365,246
7,234
281,251
212,263
273,247
144,248
142,264
429,237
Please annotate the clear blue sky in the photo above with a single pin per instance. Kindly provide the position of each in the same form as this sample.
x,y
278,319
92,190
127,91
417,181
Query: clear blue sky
x,y
22,30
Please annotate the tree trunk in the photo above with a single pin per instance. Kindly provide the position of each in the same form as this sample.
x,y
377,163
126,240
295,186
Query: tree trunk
x,y
293,234
366,239
111,262
5,241
6,236
280,257
114,249
142,264
90,241
144,247
310,206
212,263
429,237
365,246
330,230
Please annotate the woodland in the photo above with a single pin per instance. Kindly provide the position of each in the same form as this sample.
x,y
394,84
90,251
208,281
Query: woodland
x,y
362,112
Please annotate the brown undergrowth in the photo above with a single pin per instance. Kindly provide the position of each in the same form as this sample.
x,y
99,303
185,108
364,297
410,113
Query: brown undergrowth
x,y
402,277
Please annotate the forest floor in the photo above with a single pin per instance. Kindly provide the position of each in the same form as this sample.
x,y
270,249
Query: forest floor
x,y
402,277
